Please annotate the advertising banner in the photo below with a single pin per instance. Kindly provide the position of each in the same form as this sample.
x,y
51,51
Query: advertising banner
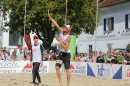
x,y
21,67
126,72
78,68
104,70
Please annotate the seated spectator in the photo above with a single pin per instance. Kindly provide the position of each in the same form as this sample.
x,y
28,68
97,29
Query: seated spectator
x,y
120,58
128,59
21,55
5,55
114,61
89,59
13,57
100,58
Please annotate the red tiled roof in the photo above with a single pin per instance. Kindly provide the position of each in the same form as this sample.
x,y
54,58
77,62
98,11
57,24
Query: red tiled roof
x,y
111,2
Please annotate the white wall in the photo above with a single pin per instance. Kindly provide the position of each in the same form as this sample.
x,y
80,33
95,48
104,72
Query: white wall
x,y
118,11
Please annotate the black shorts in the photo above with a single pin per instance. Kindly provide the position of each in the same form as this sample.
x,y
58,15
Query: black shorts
x,y
63,58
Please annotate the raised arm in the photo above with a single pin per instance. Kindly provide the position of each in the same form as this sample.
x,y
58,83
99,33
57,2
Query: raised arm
x,y
54,22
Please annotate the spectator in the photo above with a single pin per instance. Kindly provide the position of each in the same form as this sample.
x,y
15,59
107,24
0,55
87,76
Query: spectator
x,y
93,57
114,60
89,59
120,58
110,57
25,52
8,53
13,57
75,58
100,58
82,58
1,54
128,59
52,57
45,56
21,55
106,56
28,55
5,55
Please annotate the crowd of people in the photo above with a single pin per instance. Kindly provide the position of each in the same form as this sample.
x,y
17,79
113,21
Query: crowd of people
x,y
111,57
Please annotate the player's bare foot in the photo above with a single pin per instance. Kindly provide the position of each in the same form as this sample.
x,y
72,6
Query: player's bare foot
x,y
40,84
60,84
32,84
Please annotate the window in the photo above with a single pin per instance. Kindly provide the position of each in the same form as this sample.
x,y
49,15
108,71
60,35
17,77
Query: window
x,y
90,49
109,24
127,21
15,39
109,46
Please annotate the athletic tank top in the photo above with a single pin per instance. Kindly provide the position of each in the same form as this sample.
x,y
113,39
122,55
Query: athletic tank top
x,y
36,53
63,38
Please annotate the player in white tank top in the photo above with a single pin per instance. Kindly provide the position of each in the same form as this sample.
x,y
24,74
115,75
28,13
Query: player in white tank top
x,y
64,41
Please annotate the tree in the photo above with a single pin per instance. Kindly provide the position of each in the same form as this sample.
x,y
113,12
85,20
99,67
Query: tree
x,y
81,16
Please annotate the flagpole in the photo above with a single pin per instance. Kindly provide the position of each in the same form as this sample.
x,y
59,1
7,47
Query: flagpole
x,y
24,22
66,12
96,25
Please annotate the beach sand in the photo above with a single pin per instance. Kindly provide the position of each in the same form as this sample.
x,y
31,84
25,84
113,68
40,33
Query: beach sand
x,y
50,79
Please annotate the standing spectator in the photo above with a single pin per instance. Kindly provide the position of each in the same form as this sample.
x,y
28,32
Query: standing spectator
x,y
82,58
45,56
1,54
106,56
28,55
8,53
21,55
114,61
5,55
120,58
25,52
100,58
13,57
93,57
110,57
74,58
89,59
128,59
53,57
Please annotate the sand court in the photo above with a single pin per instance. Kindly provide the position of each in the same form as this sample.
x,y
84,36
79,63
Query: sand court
x,y
50,79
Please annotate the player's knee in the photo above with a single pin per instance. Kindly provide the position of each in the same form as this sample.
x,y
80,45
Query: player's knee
x,y
57,67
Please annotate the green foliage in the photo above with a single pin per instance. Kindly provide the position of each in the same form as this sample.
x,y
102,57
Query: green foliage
x,y
81,16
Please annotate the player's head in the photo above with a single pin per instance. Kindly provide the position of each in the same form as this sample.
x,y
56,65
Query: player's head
x,y
66,28
35,38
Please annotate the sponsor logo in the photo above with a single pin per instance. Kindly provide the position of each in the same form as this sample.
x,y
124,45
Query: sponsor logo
x,y
8,67
28,69
102,71
128,73
78,68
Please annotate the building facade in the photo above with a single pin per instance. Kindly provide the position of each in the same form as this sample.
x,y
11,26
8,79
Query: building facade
x,y
113,29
